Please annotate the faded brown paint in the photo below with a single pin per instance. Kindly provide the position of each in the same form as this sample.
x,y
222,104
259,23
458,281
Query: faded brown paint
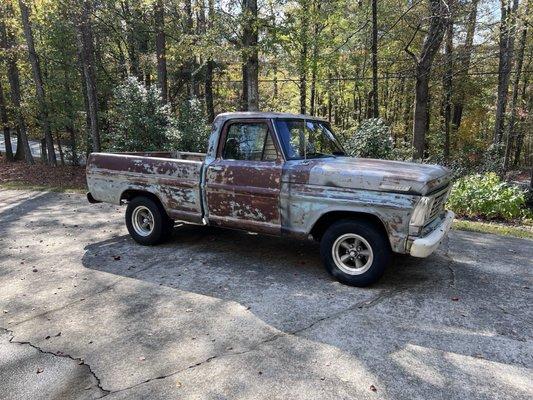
x,y
175,182
276,197
245,194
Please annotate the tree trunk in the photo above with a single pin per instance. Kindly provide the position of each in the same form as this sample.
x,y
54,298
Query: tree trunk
x,y
465,57
60,148
44,156
527,99
314,56
432,41
209,100
134,67
511,130
447,85
190,65
69,124
375,103
302,65
250,55
39,84
507,31
86,50
160,49
5,125
420,113
8,43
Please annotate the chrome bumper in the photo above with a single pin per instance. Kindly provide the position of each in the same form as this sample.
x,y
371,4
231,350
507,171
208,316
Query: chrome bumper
x,y
423,247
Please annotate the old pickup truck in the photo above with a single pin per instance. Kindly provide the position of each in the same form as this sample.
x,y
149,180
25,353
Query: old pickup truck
x,y
284,175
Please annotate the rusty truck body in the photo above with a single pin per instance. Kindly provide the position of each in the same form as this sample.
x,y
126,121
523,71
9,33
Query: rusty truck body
x,y
284,175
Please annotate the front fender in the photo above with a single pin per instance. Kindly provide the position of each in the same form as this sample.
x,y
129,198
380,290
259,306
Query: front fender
x,y
302,205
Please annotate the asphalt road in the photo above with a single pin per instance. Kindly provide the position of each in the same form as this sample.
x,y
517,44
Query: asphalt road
x,y
86,313
35,148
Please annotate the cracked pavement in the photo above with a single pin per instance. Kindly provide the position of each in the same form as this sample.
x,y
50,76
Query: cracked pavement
x,y
87,313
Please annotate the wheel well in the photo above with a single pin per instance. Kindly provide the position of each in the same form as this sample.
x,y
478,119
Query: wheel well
x,y
325,221
130,194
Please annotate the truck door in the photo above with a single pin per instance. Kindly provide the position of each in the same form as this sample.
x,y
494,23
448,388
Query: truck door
x,y
243,183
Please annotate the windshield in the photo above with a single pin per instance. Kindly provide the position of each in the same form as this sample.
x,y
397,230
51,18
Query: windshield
x,y
302,139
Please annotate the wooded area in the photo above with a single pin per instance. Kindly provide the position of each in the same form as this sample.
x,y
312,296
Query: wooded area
x,y
452,79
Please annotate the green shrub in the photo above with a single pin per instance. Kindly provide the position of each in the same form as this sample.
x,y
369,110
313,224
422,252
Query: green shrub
x,y
193,130
486,196
138,119
372,139
492,160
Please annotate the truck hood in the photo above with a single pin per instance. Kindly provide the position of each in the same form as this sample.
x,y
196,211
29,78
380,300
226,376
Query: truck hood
x,y
368,174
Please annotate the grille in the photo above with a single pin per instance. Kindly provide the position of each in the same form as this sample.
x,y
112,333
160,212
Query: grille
x,y
438,204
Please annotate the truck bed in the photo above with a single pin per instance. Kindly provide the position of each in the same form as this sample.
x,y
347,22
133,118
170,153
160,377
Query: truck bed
x,y
174,177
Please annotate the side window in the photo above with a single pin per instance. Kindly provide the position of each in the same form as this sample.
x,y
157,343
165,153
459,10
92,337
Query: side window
x,y
249,141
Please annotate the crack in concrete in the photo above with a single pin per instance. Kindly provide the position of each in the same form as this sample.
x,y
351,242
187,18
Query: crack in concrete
x,y
384,294
359,305
80,361
200,363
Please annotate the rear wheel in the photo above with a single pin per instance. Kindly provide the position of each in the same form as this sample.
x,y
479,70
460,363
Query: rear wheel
x,y
355,252
147,221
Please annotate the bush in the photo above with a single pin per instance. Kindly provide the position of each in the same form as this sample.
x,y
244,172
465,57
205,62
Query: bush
x,y
493,159
486,196
193,130
138,119
372,139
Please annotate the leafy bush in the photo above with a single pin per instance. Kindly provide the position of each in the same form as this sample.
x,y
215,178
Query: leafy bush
x,y
486,196
193,130
493,159
139,121
402,152
371,139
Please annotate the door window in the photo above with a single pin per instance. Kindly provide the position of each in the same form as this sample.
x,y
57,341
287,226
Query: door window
x,y
249,141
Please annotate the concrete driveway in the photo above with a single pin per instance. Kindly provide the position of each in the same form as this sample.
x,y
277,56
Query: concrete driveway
x,y
86,313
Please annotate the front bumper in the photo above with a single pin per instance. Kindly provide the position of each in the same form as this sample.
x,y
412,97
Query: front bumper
x,y
423,247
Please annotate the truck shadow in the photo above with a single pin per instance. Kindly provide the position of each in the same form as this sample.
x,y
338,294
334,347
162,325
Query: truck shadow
x,y
424,315
282,281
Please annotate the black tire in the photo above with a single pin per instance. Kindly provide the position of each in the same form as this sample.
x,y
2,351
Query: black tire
x,y
155,233
370,266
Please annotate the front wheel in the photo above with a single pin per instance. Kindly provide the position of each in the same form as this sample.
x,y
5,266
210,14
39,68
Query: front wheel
x,y
355,252
147,222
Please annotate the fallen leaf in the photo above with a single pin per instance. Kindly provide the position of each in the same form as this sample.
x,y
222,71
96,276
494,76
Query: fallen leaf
x,y
57,334
39,370
455,298
178,384
116,258
34,270
48,337
373,388
142,358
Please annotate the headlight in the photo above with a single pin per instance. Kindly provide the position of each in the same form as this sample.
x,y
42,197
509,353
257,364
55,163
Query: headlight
x,y
421,212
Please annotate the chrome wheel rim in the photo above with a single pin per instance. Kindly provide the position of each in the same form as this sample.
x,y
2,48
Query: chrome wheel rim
x,y
352,254
142,220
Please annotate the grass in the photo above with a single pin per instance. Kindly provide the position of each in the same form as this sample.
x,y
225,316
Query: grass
x,y
524,231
